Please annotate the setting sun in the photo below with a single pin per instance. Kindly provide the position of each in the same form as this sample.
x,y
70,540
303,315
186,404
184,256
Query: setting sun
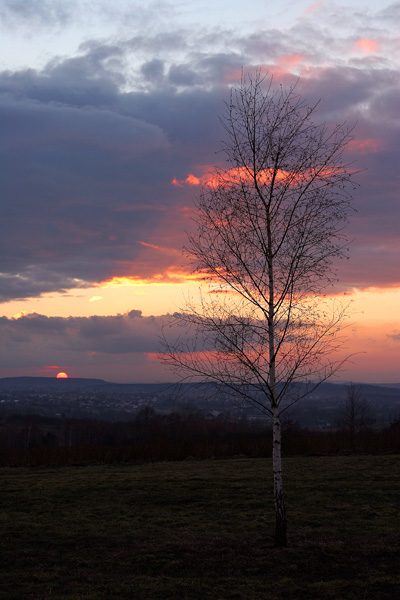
x,y
62,375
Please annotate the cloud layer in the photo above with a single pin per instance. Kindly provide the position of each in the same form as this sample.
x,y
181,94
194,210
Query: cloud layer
x,y
91,143
125,347
117,348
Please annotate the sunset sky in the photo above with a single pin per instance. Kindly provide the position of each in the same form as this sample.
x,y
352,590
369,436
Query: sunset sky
x,y
109,123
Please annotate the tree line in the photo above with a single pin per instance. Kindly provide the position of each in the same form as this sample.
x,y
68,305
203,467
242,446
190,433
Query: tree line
x,y
40,441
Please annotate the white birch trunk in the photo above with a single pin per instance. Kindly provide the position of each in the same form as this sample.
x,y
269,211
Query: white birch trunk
x,y
280,512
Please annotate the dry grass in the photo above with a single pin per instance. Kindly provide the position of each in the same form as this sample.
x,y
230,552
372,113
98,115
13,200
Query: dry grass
x,y
201,530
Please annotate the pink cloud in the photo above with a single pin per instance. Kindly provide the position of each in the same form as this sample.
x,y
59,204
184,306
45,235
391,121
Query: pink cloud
x,y
175,182
313,8
366,146
366,45
288,61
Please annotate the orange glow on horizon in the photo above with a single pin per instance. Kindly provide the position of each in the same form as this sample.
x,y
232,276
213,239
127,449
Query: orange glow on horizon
x,y
61,375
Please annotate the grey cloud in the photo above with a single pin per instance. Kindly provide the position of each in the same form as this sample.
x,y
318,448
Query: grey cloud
x,y
394,336
36,324
66,175
153,70
119,334
385,104
91,79
159,43
37,12
29,284
182,75
390,14
51,13
113,348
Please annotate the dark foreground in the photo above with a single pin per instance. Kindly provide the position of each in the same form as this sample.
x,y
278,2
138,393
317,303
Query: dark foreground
x,y
201,530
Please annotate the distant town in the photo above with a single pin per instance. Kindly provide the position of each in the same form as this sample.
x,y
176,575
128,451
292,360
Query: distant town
x,y
96,399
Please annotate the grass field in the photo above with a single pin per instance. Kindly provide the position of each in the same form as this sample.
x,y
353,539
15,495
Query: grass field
x,y
201,530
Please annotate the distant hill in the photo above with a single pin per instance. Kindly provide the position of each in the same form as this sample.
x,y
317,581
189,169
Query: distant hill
x,y
76,383
47,382
387,385
325,389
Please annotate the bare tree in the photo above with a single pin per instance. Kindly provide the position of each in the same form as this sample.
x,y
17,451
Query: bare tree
x,y
268,230
354,413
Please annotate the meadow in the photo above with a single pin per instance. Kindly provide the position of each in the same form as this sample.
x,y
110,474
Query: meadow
x,y
201,530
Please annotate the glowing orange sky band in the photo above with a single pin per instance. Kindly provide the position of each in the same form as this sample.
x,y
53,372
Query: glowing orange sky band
x,y
225,178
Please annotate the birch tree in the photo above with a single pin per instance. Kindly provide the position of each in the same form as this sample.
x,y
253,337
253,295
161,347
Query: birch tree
x,y
269,228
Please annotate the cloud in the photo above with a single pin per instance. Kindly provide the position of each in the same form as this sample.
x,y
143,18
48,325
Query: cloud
x,y
91,143
37,12
116,348
366,45
51,15
394,336
118,334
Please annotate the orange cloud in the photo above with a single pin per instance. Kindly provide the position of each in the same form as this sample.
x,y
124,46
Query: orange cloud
x,y
164,249
49,368
175,182
227,177
366,45
148,245
171,275
190,180
20,314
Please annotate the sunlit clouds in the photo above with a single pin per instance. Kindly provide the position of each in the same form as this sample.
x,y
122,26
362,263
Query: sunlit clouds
x,y
110,129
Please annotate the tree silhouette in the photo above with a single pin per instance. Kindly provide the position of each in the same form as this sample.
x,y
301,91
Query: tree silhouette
x,y
354,413
268,230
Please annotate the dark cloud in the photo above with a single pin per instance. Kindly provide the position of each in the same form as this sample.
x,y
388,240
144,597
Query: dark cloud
x,y
89,149
183,75
89,80
153,70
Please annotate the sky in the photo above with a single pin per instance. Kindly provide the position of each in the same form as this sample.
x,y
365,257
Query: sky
x,y
109,122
